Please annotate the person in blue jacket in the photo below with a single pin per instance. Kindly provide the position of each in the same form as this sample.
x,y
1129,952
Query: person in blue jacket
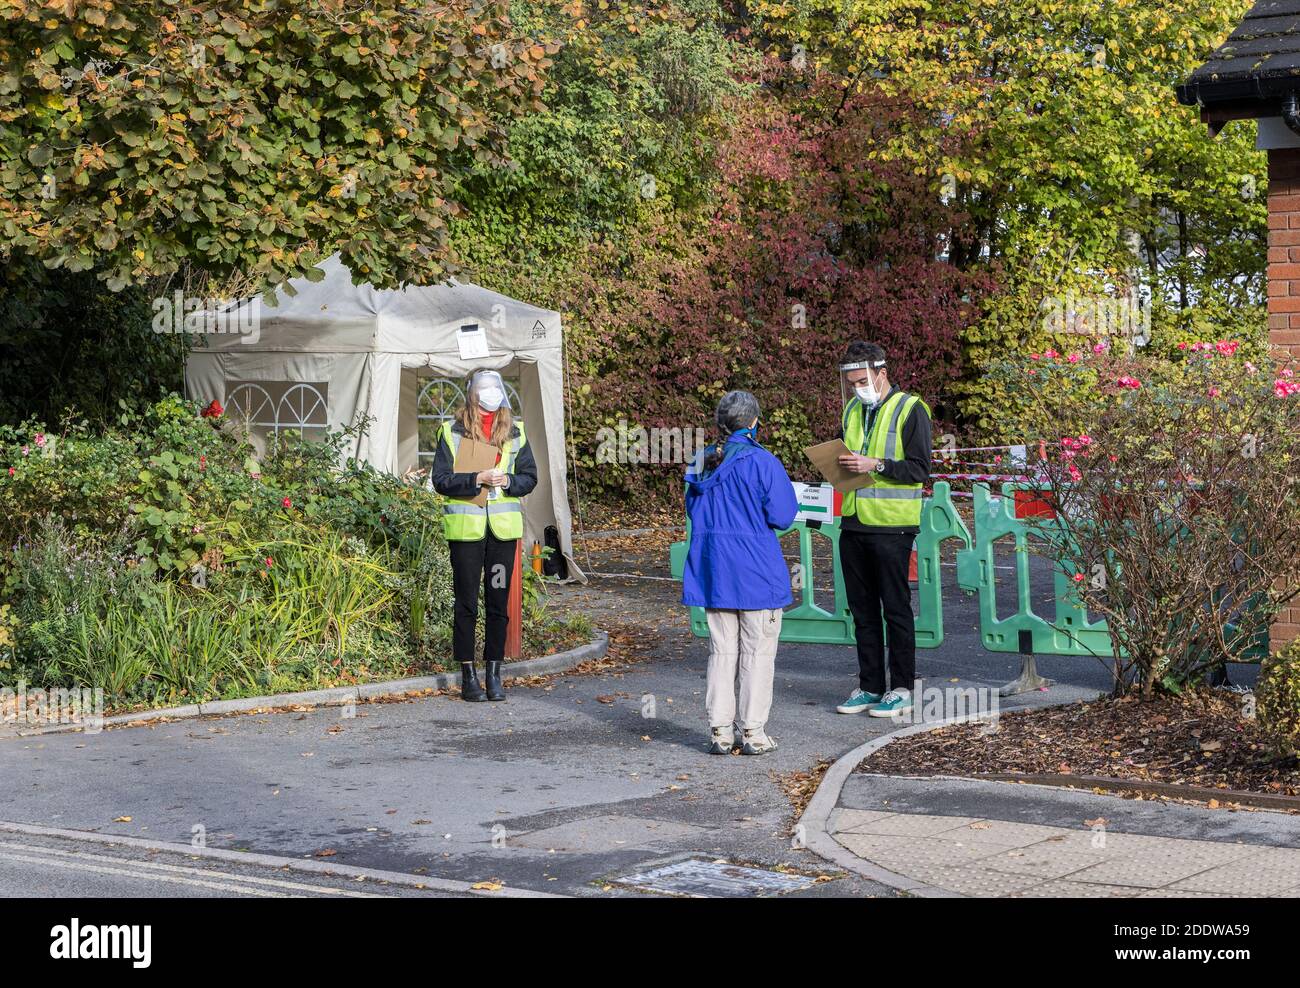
x,y
738,496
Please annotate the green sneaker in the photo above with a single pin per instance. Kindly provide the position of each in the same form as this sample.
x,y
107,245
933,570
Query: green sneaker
x,y
857,702
892,704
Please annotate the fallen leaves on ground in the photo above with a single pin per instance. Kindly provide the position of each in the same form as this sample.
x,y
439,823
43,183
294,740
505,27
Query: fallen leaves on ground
x,y
800,786
1198,739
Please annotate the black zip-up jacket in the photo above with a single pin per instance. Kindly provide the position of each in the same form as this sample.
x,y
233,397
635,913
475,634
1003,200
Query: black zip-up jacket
x,y
914,468
448,483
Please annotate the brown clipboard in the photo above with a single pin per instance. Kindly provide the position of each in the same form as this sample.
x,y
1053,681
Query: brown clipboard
x,y
826,458
473,456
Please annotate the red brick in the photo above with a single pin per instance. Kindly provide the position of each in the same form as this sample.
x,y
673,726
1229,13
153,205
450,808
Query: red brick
x,y
1284,337
1283,634
1289,303
1278,221
1283,163
1284,238
1284,204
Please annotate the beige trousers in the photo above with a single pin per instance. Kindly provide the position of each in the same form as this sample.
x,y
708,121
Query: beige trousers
x,y
742,646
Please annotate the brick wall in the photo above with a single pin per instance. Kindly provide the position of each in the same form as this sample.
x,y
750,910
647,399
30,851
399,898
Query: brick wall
x,y
1284,294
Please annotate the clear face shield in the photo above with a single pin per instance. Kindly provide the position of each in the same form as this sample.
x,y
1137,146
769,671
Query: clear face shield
x,y
862,374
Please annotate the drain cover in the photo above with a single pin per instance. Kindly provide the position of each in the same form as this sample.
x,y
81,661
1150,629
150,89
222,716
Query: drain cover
x,y
697,877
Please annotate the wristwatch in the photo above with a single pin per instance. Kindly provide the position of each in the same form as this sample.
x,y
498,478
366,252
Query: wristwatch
x,y
880,466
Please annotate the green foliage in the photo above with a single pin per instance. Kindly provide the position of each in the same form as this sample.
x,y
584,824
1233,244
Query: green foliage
x,y
632,106
70,348
163,563
1174,487
1277,699
1053,129
253,137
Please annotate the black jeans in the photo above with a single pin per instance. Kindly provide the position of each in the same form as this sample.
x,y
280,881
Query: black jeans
x,y
875,568
488,563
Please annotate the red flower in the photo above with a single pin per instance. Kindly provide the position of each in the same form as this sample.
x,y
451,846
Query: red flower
x,y
269,562
213,411
286,503
203,461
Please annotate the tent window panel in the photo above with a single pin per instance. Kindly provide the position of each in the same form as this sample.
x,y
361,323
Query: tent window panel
x,y
274,408
439,398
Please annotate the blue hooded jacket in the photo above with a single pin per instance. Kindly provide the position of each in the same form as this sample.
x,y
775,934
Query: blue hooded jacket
x,y
734,560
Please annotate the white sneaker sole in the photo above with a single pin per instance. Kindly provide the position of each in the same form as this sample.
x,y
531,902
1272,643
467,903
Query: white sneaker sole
x,y
890,713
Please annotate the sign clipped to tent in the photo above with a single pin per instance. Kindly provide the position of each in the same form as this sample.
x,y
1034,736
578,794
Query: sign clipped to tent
x,y
472,340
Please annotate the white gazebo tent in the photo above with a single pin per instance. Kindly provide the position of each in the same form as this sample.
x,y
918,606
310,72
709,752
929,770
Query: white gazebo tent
x,y
332,354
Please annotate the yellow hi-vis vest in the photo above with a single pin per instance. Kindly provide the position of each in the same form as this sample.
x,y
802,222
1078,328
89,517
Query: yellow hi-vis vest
x,y
465,521
885,503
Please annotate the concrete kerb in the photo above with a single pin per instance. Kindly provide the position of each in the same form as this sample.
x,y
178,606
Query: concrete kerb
x,y
342,695
307,865
816,815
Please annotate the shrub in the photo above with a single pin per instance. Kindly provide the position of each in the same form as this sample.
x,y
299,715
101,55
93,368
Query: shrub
x,y
163,563
1174,487
1277,699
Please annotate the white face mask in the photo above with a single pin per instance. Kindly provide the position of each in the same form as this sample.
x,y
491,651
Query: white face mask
x,y
867,393
490,398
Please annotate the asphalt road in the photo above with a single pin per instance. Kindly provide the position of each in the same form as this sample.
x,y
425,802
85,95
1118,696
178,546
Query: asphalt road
x,y
566,789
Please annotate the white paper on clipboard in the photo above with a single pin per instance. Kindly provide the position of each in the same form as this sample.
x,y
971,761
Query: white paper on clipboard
x,y
472,341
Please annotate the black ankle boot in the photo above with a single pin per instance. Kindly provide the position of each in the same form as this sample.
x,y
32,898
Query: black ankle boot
x,y
469,688
493,680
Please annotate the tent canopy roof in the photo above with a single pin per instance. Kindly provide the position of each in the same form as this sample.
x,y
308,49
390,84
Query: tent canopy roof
x,y
337,315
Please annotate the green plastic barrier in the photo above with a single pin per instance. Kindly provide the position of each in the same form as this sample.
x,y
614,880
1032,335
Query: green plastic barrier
x,y
1069,632
807,621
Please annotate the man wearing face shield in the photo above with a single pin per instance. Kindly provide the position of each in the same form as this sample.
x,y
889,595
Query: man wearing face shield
x,y
888,434
482,540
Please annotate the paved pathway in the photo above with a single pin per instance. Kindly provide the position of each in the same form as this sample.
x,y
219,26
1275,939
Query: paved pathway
x,y
988,839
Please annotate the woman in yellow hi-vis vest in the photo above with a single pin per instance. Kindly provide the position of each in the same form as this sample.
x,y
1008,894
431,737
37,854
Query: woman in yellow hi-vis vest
x,y
889,437
482,539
